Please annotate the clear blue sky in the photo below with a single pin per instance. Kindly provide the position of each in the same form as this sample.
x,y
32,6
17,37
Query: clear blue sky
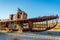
x,y
33,8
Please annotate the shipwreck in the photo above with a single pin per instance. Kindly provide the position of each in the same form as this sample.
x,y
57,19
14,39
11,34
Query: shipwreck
x,y
20,22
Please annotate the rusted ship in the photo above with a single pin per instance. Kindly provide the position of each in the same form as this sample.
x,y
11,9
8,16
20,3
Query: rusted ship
x,y
20,22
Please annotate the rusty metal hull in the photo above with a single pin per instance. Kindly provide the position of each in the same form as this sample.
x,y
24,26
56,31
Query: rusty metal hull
x,y
38,24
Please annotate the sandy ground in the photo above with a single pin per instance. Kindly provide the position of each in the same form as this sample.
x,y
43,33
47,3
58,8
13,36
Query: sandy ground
x,y
36,36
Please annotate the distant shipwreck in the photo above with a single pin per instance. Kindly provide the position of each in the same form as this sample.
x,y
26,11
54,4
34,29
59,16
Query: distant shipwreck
x,y
19,22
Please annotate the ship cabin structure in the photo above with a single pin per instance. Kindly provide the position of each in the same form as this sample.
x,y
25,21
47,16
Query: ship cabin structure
x,y
19,21
21,15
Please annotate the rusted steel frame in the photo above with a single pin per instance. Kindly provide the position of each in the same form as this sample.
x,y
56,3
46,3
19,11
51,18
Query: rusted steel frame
x,y
43,19
30,24
40,19
53,26
34,19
